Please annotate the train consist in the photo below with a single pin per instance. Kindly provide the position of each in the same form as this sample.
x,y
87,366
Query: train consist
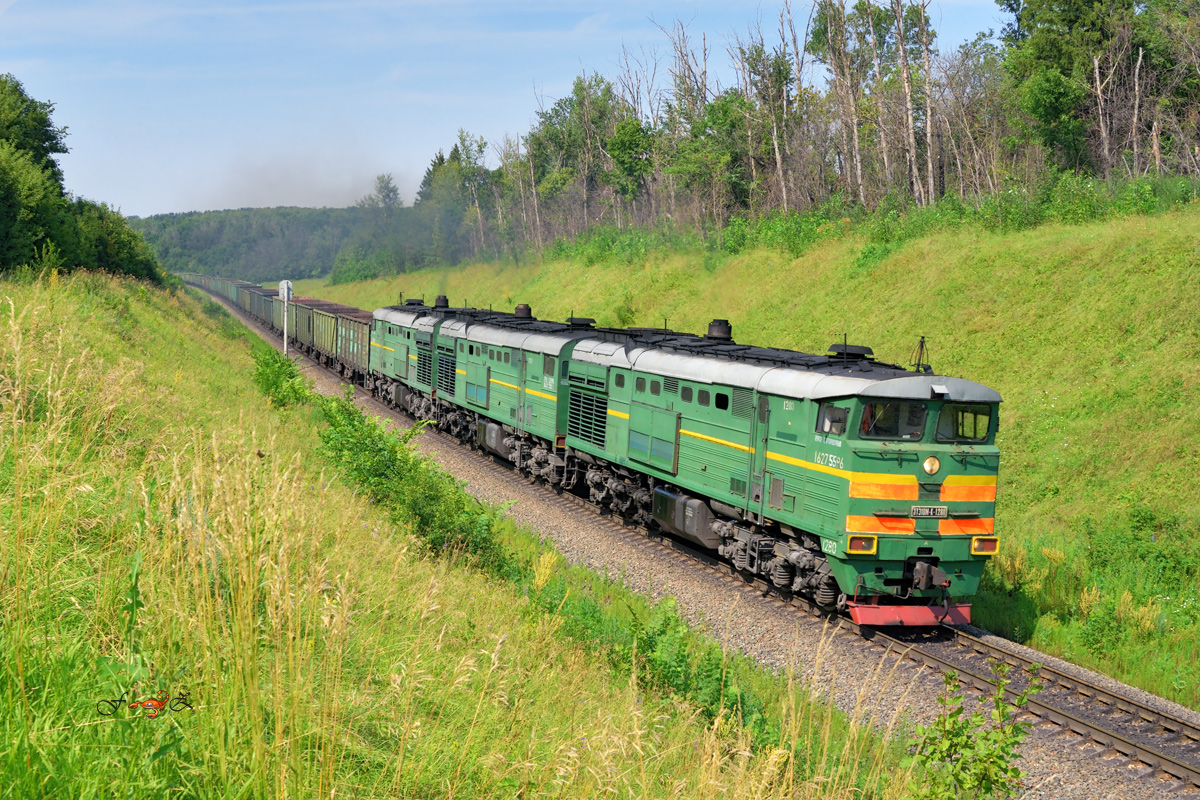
x,y
861,485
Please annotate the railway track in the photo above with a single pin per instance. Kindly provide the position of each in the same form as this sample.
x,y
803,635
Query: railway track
x,y
1162,745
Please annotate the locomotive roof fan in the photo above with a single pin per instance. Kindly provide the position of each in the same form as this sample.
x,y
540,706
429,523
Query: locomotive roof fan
x,y
720,330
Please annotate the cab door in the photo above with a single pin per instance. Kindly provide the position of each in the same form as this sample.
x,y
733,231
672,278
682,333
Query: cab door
x,y
381,353
478,384
523,365
654,436
760,476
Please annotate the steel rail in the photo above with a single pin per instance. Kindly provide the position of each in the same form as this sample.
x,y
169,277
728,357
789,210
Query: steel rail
x,y
1096,731
1178,728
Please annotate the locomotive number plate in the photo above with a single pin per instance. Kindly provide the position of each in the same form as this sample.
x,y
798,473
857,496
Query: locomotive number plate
x,y
928,511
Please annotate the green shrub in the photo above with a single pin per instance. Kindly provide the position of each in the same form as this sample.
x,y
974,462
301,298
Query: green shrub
x,y
605,243
1075,199
1138,198
279,379
735,235
1015,208
968,756
414,489
871,256
665,651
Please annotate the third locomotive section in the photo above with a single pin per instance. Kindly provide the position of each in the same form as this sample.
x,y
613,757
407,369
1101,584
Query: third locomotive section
x,y
861,485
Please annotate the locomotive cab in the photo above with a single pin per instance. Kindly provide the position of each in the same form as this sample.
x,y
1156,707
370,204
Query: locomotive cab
x,y
920,506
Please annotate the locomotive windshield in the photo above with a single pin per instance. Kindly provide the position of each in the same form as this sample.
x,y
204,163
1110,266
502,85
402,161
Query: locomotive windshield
x,y
892,419
964,423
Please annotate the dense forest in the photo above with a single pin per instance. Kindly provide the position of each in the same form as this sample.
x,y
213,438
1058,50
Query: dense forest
x,y
42,226
848,111
255,244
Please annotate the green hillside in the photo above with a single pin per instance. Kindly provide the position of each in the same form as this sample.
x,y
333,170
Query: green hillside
x,y
1089,332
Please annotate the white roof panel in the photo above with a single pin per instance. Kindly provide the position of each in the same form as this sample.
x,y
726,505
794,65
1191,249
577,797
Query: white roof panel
x,y
698,368
395,316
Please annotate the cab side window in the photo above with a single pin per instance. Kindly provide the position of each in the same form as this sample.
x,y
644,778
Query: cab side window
x,y
831,419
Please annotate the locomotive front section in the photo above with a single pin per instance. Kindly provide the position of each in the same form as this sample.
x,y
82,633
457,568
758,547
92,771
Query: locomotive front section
x,y
918,459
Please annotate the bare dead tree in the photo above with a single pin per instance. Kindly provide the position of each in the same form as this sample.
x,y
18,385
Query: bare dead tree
x,y
537,217
964,99
914,176
638,83
1137,105
846,87
1112,58
689,69
878,93
924,6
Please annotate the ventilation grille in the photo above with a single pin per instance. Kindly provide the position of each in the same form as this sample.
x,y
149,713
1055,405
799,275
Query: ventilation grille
x,y
737,486
671,385
446,366
424,367
743,403
587,379
588,417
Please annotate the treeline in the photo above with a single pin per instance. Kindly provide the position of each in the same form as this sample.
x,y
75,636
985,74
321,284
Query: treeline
x,y
42,226
255,244
1077,108
850,111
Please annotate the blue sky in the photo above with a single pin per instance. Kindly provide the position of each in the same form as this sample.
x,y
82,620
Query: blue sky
x,y
204,104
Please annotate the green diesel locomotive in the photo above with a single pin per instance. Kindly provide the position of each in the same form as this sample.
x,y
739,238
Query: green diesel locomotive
x,y
864,486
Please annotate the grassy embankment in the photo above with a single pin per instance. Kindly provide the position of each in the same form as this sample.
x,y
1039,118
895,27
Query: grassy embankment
x,y
162,527
1089,332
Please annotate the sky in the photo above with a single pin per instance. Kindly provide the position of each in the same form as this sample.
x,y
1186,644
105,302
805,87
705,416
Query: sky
x,y
207,104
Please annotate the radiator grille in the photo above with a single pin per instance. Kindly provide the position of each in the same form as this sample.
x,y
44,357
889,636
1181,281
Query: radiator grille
x,y
743,403
446,366
588,417
424,367
671,385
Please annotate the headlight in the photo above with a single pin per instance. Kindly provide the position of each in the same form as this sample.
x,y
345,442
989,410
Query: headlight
x,y
862,545
985,546
932,465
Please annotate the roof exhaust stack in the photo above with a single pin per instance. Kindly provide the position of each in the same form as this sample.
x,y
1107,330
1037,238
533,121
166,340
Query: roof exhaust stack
x,y
523,311
441,302
721,330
